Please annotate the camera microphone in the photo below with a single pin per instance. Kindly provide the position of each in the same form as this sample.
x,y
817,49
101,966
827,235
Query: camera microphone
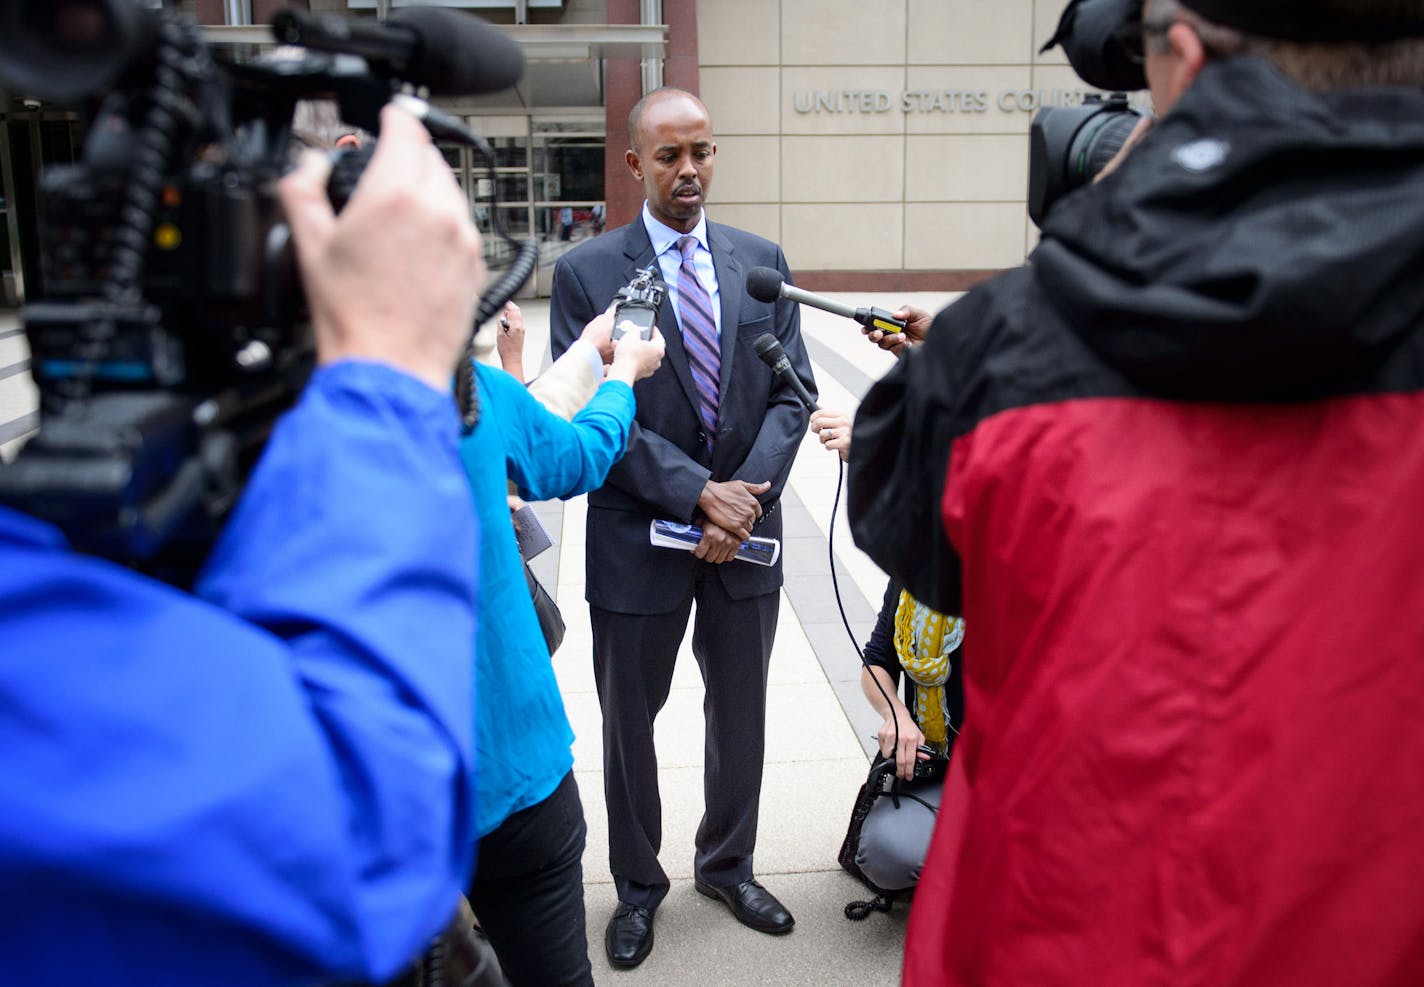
x,y
768,347
767,285
448,52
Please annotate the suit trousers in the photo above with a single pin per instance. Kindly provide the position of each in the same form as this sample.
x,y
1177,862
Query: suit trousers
x,y
634,655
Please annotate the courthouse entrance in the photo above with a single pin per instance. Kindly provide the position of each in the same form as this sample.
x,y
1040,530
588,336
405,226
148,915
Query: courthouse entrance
x,y
31,138
549,179
548,133
549,170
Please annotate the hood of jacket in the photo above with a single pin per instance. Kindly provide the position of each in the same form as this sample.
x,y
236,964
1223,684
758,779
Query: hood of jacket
x,y
1263,242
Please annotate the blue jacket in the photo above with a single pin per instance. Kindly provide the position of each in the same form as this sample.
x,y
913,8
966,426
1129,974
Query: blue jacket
x,y
270,786
522,735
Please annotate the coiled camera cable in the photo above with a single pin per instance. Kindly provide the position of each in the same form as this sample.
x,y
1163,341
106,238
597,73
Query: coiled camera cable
x,y
526,252
845,621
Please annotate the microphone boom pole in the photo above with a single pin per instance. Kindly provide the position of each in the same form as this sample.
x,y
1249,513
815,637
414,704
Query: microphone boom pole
x,y
767,285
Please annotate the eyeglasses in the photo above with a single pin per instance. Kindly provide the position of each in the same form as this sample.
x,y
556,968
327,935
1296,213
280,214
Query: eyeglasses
x,y
1133,35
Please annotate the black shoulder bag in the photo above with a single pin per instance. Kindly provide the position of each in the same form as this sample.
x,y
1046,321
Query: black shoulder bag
x,y
551,621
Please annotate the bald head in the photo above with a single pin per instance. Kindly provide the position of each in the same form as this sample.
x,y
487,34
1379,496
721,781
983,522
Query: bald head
x,y
671,153
635,115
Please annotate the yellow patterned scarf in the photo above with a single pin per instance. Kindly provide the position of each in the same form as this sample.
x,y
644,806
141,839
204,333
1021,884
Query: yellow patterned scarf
x,y
924,640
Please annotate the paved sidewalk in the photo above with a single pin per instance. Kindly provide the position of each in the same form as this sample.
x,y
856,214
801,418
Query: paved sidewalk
x,y
819,728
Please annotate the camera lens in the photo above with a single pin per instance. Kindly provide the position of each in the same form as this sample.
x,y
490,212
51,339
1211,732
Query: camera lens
x,y
1100,138
1069,146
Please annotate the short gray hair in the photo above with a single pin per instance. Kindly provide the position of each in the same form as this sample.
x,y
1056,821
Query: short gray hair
x,y
1315,65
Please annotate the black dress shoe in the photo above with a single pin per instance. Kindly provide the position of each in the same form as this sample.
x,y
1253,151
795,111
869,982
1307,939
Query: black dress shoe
x,y
629,937
753,905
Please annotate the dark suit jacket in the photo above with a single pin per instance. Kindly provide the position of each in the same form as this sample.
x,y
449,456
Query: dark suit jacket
x,y
759,427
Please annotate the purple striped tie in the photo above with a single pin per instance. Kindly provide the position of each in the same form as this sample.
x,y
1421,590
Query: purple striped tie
x,y
699,337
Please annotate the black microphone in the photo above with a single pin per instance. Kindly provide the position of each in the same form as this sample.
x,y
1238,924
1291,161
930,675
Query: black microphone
x,y
449,52
767,285
769,349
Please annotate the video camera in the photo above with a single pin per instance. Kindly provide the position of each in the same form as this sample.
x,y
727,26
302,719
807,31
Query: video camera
x,y
1068,146
171,330
884,777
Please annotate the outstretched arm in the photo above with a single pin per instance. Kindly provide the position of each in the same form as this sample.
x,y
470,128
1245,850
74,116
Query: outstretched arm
x,y
652,469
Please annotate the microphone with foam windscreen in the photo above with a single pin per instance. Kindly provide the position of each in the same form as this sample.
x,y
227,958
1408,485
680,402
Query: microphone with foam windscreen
x,y
767,285
449,52
768,347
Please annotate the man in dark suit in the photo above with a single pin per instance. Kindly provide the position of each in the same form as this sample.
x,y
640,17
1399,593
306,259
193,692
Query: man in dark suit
x,y
715,435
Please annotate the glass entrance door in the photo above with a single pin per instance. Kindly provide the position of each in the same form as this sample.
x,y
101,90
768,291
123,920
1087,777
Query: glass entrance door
x,y
549,180
30,140
12,277
566,185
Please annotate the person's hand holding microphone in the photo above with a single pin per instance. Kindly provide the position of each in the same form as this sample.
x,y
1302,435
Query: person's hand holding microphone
x,y
509,343
634,357
833,428
917,325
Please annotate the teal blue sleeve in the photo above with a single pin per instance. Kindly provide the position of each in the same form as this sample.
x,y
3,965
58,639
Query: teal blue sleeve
x,y
548,457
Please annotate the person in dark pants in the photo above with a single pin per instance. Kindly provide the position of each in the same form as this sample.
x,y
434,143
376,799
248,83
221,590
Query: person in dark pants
x,y
713,443
513,900
527,890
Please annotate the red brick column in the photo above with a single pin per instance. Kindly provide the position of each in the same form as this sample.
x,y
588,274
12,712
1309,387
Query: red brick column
x,y
262,10
680,66
214,11
623,86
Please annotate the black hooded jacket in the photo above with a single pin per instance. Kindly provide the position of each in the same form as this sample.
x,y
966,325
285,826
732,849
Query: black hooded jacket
x,y
1262,244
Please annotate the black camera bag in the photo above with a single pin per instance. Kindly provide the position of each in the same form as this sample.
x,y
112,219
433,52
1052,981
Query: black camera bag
x,y
880,783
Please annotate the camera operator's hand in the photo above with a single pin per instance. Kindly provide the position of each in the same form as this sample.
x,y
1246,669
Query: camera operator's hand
x,y
833,429
911,737
917,326
1139,131
396,277
509,343
733,506
718,545
599,332
633,356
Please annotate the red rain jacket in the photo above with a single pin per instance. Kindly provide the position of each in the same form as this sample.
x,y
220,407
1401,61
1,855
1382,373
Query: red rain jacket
x,y
1175,469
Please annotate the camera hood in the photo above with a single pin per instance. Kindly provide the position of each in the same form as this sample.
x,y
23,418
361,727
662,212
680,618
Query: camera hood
x,y
1091,33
